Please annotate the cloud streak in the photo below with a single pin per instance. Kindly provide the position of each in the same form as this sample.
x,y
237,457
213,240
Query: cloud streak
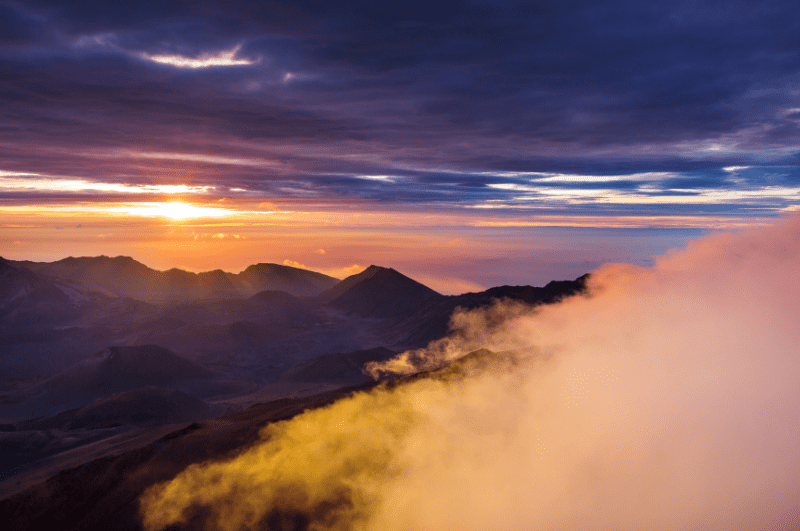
x,y
221,59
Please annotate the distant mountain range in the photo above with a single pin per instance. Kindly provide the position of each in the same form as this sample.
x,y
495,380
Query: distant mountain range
x,y
98,348
123,276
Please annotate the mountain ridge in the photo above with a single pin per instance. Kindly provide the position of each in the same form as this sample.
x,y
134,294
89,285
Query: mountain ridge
x,y
124,276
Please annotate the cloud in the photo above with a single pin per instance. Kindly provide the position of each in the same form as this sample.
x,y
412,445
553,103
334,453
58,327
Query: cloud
x,y
665,400
447,285
631,102
224,58
12,181
342,272
292,263
641,89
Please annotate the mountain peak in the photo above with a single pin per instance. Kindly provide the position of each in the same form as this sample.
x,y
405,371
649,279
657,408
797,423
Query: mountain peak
x,y
378,292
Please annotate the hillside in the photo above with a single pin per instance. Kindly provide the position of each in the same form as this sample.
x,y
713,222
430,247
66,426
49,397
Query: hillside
x,y
103,494
112,370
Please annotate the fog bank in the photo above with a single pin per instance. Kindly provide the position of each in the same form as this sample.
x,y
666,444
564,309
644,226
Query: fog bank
x,y
669,398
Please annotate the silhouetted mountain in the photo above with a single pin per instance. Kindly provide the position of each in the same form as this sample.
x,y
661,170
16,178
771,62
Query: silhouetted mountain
x,y
123,276
379,292
271,306
118,276
273,297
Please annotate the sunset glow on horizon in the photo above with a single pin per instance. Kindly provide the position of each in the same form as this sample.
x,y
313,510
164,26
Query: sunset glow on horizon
x,y
175,210
132,122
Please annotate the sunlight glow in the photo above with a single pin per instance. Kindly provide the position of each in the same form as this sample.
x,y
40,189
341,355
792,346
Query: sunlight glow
x,y
173,210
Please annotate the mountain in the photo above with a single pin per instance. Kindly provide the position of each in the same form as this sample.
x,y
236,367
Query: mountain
x,y
102,494
112,370
379,292
274,277
143,406
30,300
122,276
340,367
270,333
119,276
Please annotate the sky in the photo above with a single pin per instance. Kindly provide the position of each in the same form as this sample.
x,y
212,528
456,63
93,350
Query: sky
x,y
466,143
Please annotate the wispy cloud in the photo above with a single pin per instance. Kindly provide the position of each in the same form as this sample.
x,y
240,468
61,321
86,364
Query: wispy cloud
x,y
16,181
223,58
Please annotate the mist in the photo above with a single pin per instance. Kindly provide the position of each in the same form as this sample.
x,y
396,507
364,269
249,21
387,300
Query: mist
x,y
666,398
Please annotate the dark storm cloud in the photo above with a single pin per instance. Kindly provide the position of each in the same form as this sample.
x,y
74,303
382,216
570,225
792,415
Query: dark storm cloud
x,y
441,97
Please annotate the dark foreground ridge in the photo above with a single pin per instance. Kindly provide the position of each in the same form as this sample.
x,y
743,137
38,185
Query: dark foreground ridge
x,y
103,494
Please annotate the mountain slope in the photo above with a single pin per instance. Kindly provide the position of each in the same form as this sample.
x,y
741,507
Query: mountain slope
x,y
113,370
142,406
346,367
103,494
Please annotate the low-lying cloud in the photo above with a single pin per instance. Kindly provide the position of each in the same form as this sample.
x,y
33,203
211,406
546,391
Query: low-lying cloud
x,y
667,399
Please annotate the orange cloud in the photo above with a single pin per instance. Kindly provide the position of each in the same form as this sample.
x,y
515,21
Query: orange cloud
x,y
292,263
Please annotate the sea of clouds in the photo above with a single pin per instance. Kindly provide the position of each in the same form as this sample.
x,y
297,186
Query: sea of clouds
x,y
666,398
